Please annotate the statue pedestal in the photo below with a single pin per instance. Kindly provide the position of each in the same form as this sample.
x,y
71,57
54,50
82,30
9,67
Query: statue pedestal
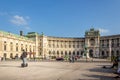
x,y
87,55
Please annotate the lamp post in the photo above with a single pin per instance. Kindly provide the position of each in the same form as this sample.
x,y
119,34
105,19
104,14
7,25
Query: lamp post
x,y
100,51
110,45
85,51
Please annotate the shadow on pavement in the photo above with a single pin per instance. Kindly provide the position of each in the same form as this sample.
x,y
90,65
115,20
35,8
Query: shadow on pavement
x,y
10,66
102,70
99,77
104,74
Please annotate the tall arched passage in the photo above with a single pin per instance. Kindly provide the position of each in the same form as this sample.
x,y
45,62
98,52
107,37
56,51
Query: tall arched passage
x,y
103,54
91,53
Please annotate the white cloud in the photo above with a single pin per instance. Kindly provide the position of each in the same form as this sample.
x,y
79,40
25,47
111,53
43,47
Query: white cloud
x,y
103,30
20,21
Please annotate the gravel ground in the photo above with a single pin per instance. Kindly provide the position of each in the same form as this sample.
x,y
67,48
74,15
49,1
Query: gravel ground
x,y
56,70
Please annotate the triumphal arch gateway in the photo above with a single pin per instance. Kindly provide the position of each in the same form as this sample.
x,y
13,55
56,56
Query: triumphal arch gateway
x,y
40,45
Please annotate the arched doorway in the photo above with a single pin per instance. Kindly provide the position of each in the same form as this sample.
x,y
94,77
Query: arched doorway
x,y
91,53
103,54
11,55
4,56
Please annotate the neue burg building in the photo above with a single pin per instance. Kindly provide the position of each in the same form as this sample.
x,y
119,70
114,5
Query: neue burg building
x,y
40,45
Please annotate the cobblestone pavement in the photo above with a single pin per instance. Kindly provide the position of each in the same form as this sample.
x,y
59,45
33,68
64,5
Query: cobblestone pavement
x,y
53,70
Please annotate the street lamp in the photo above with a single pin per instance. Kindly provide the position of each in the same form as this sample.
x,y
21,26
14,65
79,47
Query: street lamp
x,y
100,51
85,51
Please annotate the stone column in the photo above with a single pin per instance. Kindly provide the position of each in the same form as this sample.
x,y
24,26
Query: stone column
x,y
110,49
36,47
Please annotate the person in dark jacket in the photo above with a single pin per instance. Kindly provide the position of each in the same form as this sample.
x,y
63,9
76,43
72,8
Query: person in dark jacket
x,y
24,57
115,62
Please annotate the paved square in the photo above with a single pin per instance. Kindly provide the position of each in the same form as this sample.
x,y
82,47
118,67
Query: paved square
x,y
45,70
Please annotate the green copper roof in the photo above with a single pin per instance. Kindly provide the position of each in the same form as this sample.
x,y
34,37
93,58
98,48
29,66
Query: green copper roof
x,y
92,32
15,35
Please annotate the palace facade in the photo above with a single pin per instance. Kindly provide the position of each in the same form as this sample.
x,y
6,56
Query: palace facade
x,y
40,45
11,45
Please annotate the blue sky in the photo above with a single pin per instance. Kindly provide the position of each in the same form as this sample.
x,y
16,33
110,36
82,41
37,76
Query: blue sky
x,y
62,18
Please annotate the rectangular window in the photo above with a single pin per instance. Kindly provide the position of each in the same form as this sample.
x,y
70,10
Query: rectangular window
x,y
26,47
69,46
21,47
4,47
65,46
107,45
16,46
112,44
57,46
50,45
73,46
117,44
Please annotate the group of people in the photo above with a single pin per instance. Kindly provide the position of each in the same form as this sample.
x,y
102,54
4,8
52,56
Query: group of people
x,y
72,58
115,64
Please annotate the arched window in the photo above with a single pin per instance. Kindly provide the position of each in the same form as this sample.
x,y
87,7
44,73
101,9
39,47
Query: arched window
x,y
49,52
92,42
57,52
112,53
78,53
73,52
53,52
117,52
11,46
61,52
69,52
82,52
107,53
65,52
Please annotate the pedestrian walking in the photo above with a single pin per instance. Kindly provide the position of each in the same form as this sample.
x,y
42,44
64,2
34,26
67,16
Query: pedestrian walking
x,y
73,58
70,59
24,59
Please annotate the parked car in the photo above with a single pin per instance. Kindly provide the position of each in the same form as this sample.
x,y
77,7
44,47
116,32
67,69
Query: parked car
x,y
59,59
